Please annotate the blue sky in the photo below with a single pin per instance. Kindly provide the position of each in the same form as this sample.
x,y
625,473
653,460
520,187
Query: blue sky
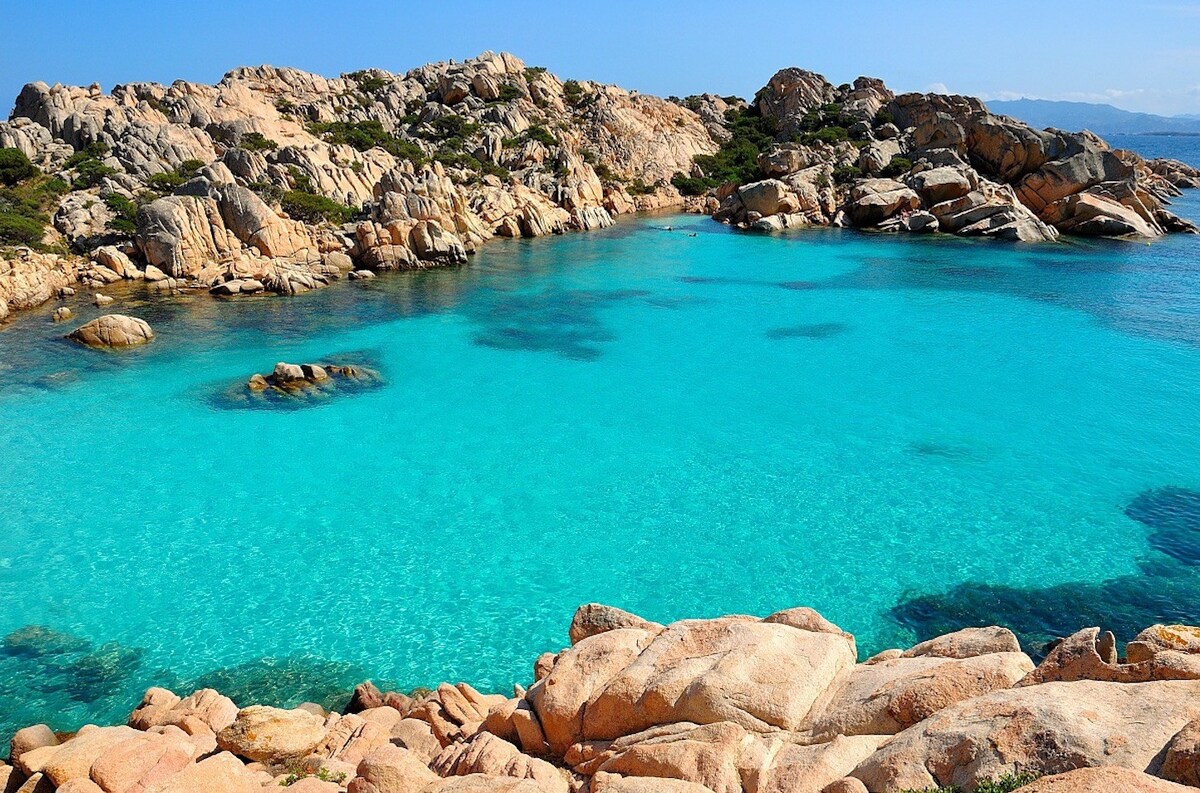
x,y
1139,56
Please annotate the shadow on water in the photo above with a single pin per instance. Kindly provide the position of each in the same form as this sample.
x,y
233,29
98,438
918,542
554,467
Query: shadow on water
x,y
563,322
818,330
1167,589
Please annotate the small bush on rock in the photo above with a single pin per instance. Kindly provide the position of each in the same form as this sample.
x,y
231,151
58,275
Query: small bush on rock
x,y
15,167
255,141
312,208
897,167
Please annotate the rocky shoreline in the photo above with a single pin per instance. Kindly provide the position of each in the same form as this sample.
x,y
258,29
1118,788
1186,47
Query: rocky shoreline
x,y
277,181
773,705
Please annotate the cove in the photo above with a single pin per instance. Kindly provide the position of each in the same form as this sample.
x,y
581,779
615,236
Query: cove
x,y
897,432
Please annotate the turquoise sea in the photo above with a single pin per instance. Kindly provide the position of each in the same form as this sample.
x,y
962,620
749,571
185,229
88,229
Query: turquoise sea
x,y
907,434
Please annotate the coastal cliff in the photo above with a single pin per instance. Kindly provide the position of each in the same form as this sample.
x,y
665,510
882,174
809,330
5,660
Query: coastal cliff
x,y
727,705
281,181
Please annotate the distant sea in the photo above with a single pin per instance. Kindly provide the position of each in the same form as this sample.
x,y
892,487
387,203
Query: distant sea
x,y
1185,148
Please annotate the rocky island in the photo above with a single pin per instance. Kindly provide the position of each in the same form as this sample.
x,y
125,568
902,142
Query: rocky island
x,y
279,181
773,705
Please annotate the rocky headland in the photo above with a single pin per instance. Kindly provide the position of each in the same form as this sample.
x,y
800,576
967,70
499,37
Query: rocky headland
x,y
774,705
277,181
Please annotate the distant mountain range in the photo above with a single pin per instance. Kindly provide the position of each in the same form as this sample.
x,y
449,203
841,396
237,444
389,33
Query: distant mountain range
x,y
1101,119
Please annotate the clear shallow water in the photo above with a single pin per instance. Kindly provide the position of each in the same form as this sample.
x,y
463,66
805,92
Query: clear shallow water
x,y
902,433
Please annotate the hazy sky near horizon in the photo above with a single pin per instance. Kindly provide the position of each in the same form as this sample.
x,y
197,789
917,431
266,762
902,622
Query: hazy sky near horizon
x,y
1137,56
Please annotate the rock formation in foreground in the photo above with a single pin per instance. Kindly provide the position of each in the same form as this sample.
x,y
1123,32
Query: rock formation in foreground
x,y
728,705
275,180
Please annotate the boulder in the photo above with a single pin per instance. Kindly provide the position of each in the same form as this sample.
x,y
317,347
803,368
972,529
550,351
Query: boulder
x,y
221,773
1181,763
757,674
72,759
1156,638
875,200
486,754
434,244
1092,655
1044,729
29,738
113,330
768,197
889,696
967,643
391,769
203,708
1105,779
143,760
942,184
594,618
724,757
1087,214
267,734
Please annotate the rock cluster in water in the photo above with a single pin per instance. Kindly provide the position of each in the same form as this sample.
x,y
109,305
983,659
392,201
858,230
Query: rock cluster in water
x,y
279,181
300,383
724,705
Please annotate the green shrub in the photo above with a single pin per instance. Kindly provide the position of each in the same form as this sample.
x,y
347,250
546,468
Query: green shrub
x,y
89,169
884,117
458,160
19,229
573,92
368,83
267,191
508,93
691,185
125,211
844,174
454,126
254,141
540,134
639,187
188,168
15,167
737,159
313,208
829,135
534,72
363,135
1004,784
897,167
165,182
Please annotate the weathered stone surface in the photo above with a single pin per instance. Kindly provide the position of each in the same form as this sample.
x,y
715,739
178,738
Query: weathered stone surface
x,y
1181,763
392,769
1092,655
725,758
486,754
967,643
160,707
221,773
34,737
593,618
113,330
759,675
72,759
269,734
1049,728
1156,638
887,697
875,200
1107,779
